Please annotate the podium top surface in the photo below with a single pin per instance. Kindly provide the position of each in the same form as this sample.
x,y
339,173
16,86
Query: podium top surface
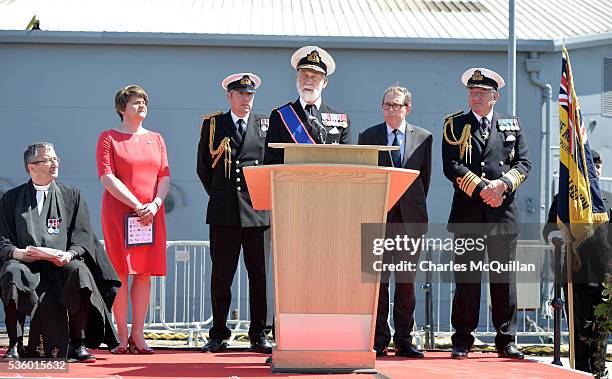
x,y
278,145
259,178
329,153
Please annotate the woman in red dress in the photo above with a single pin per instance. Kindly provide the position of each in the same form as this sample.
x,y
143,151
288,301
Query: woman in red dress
x,y
133,168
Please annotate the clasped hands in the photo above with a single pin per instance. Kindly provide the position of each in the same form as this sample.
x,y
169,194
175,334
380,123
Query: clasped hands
x,y
146,212
493,193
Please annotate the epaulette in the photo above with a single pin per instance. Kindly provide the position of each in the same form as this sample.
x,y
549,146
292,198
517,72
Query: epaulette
x,y
207,116
453,115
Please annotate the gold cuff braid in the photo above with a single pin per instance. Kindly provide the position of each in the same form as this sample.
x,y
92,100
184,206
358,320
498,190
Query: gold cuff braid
x,y
515,177
468,182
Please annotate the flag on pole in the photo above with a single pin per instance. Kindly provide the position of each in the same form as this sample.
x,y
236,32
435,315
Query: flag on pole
x,y
580,208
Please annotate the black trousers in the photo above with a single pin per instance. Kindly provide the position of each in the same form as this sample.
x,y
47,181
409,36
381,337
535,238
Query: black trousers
x,y
54,282
14,321
225,243
404,299
502,286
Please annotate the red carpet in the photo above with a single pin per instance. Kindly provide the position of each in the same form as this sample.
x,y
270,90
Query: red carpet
x,y
241,364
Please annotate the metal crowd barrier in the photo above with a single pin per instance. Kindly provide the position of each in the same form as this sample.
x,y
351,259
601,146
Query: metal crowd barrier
x,y
534,317
180,301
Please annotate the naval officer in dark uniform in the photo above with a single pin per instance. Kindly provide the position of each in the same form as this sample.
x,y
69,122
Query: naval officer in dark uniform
x,y
228,143
308,119
484,155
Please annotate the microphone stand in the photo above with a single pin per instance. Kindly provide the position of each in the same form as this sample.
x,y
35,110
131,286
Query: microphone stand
x,y
321,131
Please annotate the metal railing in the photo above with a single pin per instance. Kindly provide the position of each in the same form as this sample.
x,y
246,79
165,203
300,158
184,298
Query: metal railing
x,y
534,317
180,301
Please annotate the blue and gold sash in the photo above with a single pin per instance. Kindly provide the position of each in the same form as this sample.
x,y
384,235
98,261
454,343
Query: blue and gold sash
x,y
294,125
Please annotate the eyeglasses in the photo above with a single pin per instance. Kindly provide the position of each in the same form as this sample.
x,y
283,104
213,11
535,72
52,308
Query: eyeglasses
x,y
396,107
48,160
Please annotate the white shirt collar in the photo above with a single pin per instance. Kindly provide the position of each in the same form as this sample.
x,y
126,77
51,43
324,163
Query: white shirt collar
x,y
42,188
41,192
401,128
236,118
316,103
479,117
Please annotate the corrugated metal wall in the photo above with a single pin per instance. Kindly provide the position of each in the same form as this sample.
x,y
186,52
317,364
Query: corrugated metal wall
x,y
64,94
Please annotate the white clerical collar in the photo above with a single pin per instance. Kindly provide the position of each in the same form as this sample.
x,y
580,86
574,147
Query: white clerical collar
x,y
236,118
41,192
479,117
316,103
401,128
42,188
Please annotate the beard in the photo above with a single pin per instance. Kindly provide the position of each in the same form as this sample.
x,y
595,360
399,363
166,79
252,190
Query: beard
x,y
309,94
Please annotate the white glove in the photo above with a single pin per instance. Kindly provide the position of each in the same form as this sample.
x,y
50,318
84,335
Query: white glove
x,y
557,234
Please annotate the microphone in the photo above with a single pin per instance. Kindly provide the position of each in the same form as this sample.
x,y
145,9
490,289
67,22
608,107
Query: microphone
x,y
320,129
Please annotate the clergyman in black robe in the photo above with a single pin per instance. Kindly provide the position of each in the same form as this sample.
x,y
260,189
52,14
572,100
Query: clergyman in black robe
x,y
68,295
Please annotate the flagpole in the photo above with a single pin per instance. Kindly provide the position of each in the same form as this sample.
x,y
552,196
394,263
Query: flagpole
x,y
511,82
570,303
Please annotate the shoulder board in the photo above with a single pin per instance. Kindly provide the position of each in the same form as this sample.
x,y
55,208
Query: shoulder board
x,y
453,115
207,116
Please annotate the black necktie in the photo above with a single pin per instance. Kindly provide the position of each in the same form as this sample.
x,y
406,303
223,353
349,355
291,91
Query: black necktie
x,y
241,128
396,155
309,110
484,127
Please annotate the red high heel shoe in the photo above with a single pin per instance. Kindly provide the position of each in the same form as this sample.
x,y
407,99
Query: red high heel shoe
x,y
133,349
119,350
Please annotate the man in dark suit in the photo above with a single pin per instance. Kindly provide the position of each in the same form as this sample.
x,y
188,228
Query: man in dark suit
x,y
409,213
228,143
484,155
308,119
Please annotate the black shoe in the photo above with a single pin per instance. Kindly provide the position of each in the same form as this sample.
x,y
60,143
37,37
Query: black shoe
x,y
261,345
15,350
214,346
269,361
510,351
408,351
459,353
78,353
380,351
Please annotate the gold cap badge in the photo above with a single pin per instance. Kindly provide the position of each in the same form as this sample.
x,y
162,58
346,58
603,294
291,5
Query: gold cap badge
x,y
314,57
477,75
246,81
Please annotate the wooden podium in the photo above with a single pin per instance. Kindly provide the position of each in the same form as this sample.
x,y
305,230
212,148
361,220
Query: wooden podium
x,y
325,312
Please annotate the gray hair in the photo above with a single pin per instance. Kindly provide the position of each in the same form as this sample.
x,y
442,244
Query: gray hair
x,y
399,90
31,152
